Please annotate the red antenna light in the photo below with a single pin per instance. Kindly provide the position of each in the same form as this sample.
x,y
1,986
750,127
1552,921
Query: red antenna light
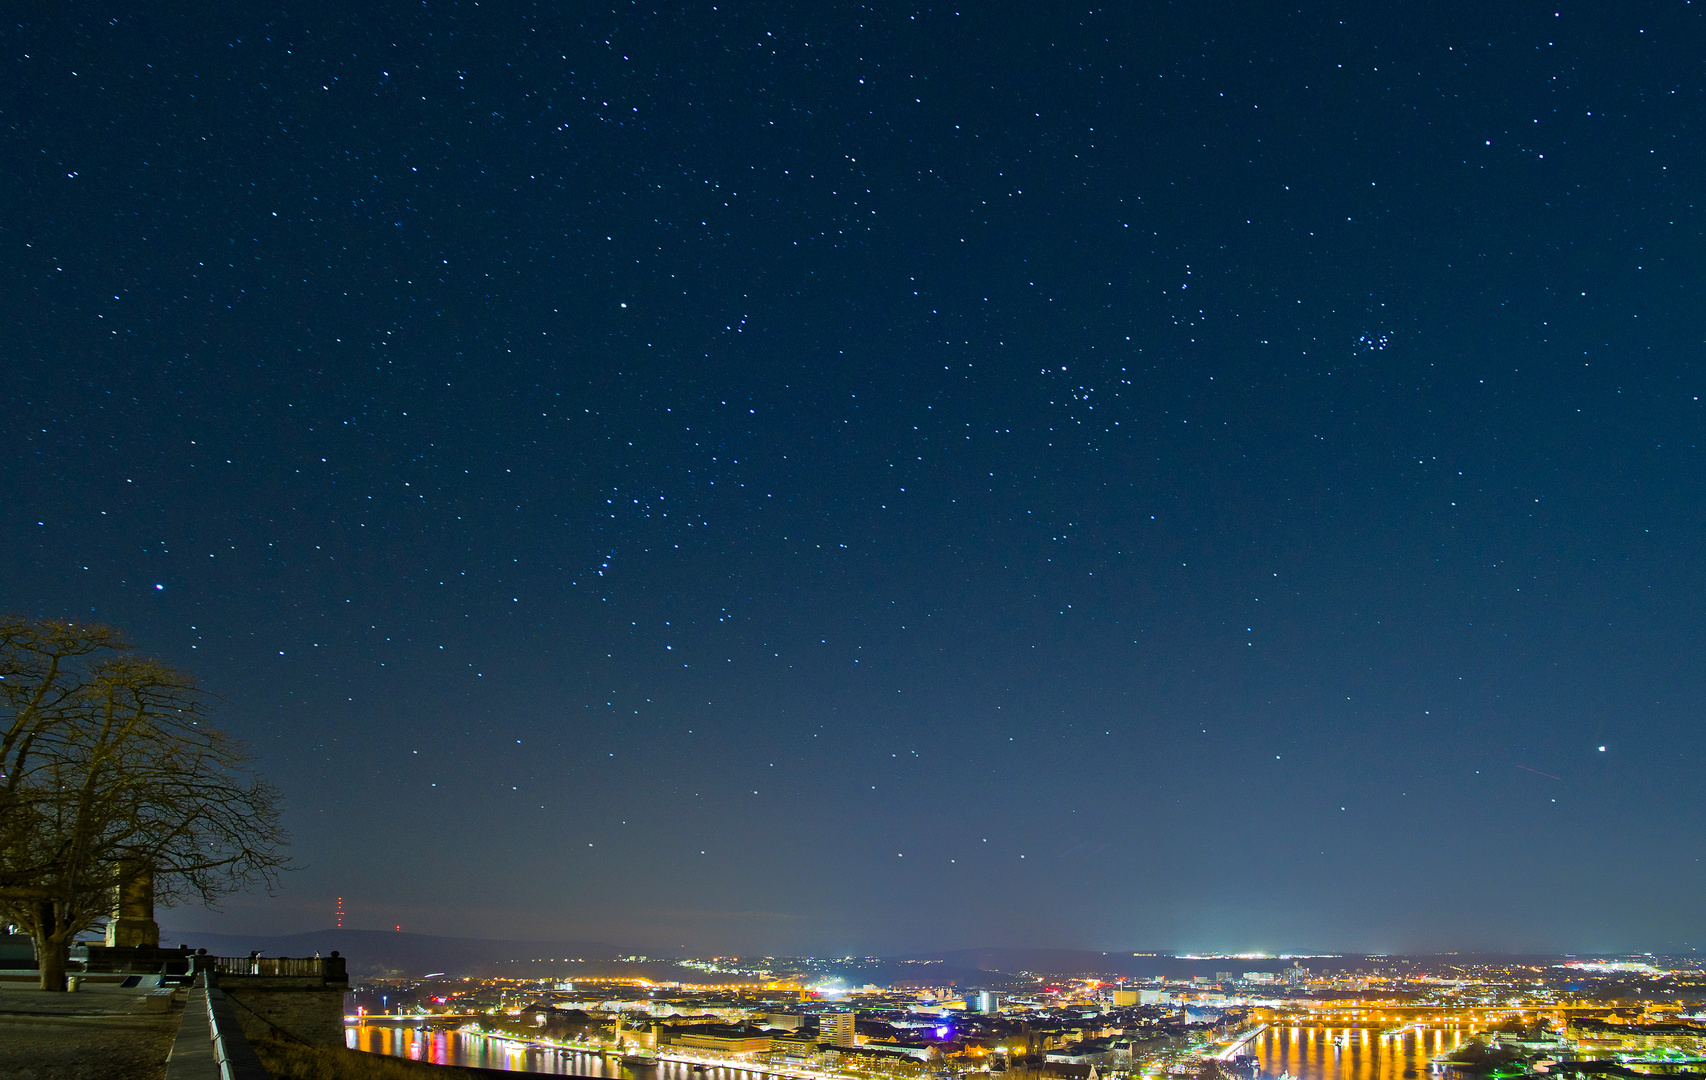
x,y
340,913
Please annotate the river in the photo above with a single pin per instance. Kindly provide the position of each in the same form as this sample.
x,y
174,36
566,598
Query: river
x,y
1322,1053
442,1046
1305,1053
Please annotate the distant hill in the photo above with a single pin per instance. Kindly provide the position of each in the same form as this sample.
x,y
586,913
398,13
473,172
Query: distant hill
x,y
1004,968
382,953
1062,962
389,954
1065,962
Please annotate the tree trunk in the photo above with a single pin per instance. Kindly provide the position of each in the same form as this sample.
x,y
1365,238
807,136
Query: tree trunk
x,y
52,960
52,947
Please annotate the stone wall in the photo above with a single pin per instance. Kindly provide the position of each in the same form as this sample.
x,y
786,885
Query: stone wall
x,y
309,1010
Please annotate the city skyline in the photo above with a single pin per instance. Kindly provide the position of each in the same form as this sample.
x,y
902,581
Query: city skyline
x,y
807,480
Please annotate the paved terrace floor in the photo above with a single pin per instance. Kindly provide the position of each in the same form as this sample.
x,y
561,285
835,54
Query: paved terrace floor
x,y
99,1033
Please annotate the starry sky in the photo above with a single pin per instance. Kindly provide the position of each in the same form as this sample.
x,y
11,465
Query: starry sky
x,y
868,479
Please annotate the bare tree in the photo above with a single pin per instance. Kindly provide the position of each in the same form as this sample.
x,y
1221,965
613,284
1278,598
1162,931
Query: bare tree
x,y
44,671
121,772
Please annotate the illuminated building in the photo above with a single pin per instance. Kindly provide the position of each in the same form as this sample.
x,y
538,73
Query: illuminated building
x,y
837,1029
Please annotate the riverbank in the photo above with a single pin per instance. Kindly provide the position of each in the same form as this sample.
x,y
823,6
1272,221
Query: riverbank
x,y
294,1061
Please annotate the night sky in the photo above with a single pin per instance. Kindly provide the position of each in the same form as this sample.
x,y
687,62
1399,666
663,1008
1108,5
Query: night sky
x,y
866,479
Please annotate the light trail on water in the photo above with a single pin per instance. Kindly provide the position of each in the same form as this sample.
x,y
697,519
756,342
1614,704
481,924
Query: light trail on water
x,y
1350,1053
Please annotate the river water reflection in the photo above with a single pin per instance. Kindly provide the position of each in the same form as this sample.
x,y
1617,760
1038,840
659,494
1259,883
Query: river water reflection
x,y
1306,1053
442,1046
1323,1053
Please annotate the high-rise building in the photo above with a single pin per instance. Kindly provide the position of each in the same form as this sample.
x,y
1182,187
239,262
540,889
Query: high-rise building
x,y
837,1029
988,1001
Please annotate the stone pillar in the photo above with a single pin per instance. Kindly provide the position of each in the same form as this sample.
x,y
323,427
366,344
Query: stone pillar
x,y
132,921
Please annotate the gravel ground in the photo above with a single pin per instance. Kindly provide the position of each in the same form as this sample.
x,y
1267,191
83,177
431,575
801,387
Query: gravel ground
x,y
77,1052
85,1036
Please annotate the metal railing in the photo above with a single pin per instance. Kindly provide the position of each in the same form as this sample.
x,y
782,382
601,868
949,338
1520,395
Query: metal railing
x,y
232,1053
210,1044
309,966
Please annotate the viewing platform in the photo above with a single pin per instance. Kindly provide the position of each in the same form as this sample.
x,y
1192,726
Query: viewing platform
x,y
175,1012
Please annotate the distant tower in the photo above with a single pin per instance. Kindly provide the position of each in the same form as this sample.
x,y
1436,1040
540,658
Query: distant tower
x,y
340,913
